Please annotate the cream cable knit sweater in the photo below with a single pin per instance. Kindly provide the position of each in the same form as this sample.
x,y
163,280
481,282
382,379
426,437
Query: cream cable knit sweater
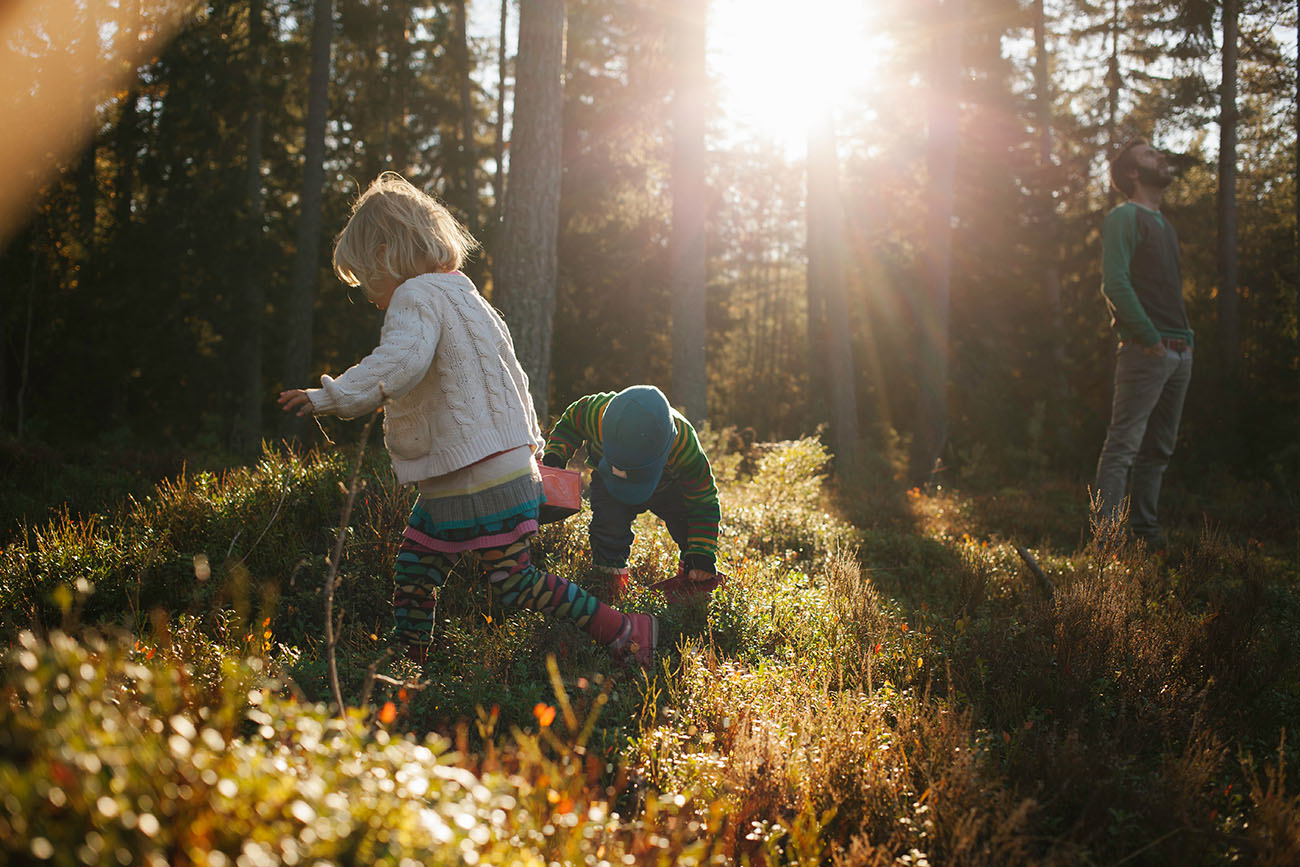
x,y
446,372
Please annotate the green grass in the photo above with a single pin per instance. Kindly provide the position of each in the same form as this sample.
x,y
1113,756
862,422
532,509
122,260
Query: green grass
x,y
880,681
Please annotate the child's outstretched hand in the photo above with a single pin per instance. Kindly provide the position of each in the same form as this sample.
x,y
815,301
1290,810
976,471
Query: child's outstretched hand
x,y
295,399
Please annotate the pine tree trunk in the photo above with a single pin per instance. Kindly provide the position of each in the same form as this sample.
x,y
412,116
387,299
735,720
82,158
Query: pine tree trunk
x,y
1228,301
124,136
87,185
249,394
306,264
24,363
1114,81
1050,224
466,150
499,146
527,259
931,433
827,269
815,299
687,265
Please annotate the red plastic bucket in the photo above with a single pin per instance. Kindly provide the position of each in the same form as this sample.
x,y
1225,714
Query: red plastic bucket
x,y
563,489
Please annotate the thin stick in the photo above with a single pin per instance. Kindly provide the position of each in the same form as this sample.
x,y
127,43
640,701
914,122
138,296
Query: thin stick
x,y
1156,842
331,578
284,493
1049,589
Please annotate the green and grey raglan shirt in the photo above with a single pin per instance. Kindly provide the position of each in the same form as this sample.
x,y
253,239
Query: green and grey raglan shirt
x,y
1141,276
687,466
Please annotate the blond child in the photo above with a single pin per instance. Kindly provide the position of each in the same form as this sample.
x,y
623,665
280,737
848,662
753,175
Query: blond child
x,y
458,420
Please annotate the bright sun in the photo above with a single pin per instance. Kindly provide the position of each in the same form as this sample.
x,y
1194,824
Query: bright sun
x,y
780,64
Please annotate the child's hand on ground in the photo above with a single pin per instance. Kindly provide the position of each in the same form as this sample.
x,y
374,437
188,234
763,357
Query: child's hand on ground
x,y
295,399
688,585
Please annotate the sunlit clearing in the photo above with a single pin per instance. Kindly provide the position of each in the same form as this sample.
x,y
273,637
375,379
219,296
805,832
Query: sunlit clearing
x,y
782,64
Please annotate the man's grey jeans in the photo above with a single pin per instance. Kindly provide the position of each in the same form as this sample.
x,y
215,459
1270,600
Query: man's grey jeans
x,y
1148,402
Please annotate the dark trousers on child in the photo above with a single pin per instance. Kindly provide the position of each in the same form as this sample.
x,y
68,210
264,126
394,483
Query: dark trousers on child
x,y
611,520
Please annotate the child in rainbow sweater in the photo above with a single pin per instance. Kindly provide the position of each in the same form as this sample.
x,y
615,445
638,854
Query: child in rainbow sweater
x,y
646,457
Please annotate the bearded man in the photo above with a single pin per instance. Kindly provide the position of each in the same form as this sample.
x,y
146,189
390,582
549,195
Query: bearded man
x,y
1143,286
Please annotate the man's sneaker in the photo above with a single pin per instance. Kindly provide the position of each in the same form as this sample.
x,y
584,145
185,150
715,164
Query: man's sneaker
x,y
637,639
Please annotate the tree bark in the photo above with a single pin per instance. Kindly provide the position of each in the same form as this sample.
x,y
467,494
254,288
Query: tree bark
x,y
249,395
527,261
87,186
306,264
499,146
687,264
1114,81
466,150
25,361
125,134
1049,222
931,433
1228,301
827,269
124,182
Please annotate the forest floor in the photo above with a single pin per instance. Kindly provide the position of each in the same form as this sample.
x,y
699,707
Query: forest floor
x,y
884,679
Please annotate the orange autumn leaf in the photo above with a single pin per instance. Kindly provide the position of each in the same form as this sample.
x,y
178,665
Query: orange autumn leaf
x,y
545,714
388,713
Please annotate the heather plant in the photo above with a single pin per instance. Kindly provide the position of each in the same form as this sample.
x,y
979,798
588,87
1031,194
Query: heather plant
x,y
782,506
222,766
907,692
180,546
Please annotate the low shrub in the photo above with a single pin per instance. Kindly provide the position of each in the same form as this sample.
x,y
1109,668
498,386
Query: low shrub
x,y
186,753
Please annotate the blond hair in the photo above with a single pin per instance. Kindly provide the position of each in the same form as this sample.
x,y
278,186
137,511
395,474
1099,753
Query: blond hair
x,y
398,231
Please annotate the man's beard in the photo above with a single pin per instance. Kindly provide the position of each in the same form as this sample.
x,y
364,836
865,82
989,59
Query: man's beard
x,y
1158,177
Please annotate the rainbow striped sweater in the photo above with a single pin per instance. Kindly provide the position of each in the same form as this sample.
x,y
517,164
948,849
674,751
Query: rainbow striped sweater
x,y
687,465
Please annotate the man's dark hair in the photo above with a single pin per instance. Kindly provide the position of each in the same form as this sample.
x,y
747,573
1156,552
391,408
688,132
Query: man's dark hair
x,y
1123,163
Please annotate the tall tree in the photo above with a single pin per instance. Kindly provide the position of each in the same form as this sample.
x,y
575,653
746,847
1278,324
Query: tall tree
x,y
25,366
527,261
827,271
125,134
613,303
688,273
1228,301
466,146
1049,224
88,187
306,263
931,431
249,395
499,142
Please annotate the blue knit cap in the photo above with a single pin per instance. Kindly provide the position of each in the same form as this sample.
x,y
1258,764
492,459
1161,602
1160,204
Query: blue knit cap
x,y
636,435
